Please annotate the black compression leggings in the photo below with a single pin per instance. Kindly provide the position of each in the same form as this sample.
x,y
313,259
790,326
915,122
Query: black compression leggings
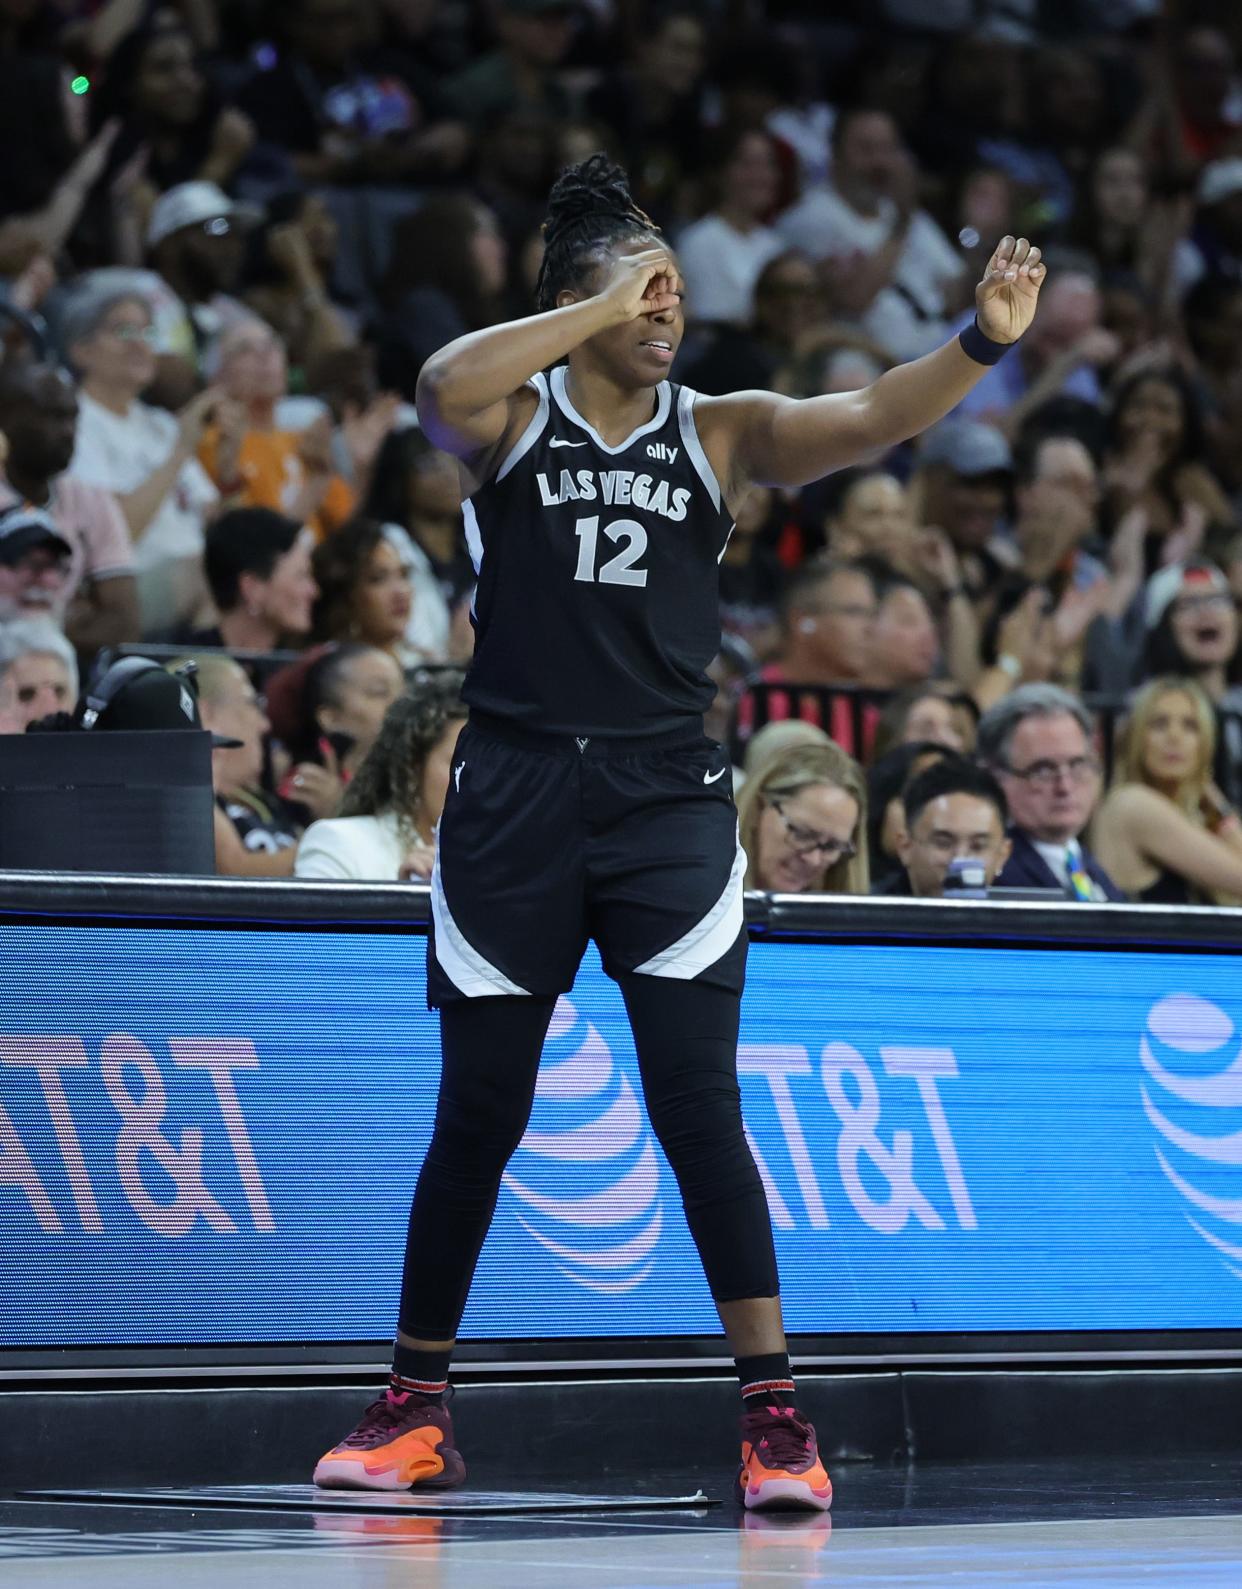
x,y
685,1035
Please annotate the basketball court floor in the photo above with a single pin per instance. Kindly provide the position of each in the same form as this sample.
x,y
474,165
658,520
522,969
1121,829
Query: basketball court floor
x,y
931,1526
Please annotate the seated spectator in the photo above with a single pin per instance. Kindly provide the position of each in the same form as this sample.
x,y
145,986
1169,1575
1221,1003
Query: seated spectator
x,y
1038,743
827,619
145,456
1212,312
289,279
890,265
1059,355
1124,228
963,482
156,88
786,307
1056,533
887,781
446,276
38,671
369,586
905,648
258,566
931,713
326,710
252,461
195,245
96,597
418,487
34,565
255,836
802,821
751,576
533,38
1191,617
871,517
346,108
387,822
953,810
654,104
1156,462
774,738
1165,831
722,254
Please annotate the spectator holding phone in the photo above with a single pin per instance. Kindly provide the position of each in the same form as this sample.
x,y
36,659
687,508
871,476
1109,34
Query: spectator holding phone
x,y
387,821
326,710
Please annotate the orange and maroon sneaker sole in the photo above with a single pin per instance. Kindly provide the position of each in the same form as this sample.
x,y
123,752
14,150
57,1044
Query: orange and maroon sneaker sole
x,y
777,1490
416,1459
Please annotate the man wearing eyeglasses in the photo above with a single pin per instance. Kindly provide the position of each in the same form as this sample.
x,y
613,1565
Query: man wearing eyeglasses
x,y
1038,743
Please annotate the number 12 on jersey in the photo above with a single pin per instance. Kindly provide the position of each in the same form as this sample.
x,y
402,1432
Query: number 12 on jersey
x,y
618,570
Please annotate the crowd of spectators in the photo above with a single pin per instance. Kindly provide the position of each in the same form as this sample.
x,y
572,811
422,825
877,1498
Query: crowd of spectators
x,y
237,229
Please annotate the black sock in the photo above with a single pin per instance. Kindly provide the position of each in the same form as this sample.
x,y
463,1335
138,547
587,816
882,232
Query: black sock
x,y
766,1381
423,1374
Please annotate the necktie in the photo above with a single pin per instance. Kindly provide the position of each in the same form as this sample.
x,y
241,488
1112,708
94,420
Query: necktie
x,y
1080,882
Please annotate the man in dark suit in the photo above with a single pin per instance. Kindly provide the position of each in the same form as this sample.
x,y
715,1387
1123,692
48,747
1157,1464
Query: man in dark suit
x,y
1038,743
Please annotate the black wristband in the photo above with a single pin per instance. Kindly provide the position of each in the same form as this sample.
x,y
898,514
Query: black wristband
x,y
979,347
952,592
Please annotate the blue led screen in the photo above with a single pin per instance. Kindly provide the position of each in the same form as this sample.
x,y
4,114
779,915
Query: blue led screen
x,y
211,1136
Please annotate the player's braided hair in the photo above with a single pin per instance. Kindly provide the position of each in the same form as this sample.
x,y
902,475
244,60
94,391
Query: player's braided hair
x,y
390,777
589,209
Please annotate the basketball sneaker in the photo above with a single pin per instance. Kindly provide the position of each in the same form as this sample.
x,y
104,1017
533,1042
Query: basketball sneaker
x,y
401,1442
780,1462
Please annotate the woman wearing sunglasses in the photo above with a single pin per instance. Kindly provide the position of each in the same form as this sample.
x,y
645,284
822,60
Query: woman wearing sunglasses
x,y
802,821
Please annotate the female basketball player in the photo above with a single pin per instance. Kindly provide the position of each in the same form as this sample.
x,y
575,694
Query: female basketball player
x,y
585,800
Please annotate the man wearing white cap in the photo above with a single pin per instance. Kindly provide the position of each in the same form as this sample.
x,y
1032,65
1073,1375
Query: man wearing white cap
x,y
194,240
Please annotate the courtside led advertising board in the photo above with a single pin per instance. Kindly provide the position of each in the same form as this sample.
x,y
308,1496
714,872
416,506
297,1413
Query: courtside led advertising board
x,y
211,1136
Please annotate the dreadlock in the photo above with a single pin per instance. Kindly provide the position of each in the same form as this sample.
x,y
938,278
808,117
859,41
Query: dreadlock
x,y
589,209
391,775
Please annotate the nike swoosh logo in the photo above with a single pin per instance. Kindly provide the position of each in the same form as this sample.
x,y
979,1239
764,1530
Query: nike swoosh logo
x,y
557,442
714,777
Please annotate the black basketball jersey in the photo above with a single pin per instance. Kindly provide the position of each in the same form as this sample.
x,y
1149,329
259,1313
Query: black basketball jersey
x,y
596,611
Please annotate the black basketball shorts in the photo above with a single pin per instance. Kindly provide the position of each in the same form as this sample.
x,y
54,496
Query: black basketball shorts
x,y
545,843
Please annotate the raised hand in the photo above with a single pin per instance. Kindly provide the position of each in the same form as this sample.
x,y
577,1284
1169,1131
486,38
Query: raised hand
x,y
645,283
1005,299
195,417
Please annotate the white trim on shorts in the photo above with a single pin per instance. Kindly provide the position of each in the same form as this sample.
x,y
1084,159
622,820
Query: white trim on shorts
x,y
709,938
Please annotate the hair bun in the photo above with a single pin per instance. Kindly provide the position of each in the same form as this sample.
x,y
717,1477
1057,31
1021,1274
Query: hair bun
x,y
595,187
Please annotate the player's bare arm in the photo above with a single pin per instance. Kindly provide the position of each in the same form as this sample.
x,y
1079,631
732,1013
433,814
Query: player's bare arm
x,y
761,438
472,393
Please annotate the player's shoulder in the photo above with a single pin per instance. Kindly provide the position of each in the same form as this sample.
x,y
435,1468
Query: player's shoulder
x,y
727,419
526,407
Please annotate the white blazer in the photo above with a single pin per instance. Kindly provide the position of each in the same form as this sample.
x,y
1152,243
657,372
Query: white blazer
x,y
351,850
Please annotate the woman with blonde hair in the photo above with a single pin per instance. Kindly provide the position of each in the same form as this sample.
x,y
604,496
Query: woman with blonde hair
x,y
802,819
775,738
1165,833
